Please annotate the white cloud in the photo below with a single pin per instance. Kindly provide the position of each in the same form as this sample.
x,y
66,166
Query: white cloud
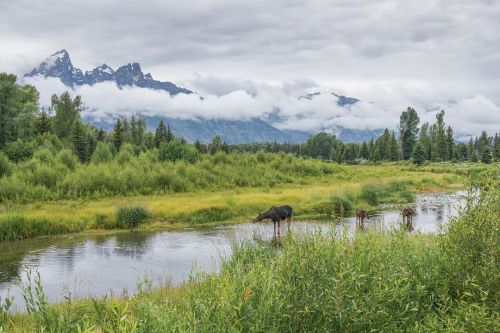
x,y
468,116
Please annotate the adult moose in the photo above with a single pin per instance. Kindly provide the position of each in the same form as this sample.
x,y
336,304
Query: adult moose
x,y
408,215
360,217
276,214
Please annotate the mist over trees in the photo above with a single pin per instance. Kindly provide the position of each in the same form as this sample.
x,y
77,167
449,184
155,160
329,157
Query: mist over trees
x,y
25,128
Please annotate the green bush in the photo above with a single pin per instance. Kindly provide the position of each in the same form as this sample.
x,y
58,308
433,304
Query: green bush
x,y
371,194
14,189
5,165
407,196
67,158
130,217
44,175
44,156
20,150
471,249
175,151
126,153
101,154
341,205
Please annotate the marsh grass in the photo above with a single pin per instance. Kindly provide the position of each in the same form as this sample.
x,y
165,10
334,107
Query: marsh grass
x,y
330,191
383,281
17,227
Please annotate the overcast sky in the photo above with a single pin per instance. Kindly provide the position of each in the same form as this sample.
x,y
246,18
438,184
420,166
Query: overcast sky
x,y
428,54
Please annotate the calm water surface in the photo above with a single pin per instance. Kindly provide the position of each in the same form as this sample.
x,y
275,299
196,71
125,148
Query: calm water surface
x,y
95,265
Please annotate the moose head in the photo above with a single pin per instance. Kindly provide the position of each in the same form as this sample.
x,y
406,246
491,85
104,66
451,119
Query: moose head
x,y
259,218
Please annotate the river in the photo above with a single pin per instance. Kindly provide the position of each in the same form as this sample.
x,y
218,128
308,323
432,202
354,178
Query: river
x,y
96,265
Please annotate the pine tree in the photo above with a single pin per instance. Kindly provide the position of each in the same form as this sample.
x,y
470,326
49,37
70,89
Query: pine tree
x,y
482,142
496,148
393,153
365,152
486,155
462,152
418,155
450,143
371,149
43,122
101,135
149,140
80,142
425,140
92,143
471,152
200,147
161,134
170,135
118,136
385,146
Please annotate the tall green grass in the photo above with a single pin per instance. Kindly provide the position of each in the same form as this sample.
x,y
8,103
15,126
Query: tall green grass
x,y
16,227
391,281
56,177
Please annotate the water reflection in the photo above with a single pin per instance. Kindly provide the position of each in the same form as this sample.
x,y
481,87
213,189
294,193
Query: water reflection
x,y
94,265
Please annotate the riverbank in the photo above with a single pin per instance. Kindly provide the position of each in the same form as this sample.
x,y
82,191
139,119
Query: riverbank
x,y
323,197
376,281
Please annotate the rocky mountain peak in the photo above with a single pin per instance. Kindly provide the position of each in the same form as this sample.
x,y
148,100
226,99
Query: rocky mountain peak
x,y
59,65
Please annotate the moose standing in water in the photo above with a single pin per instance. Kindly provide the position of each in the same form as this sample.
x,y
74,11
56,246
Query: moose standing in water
x,y
408,215
360,217
276,214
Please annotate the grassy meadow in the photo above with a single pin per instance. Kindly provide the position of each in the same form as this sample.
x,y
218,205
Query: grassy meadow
x,y
377,281
220,188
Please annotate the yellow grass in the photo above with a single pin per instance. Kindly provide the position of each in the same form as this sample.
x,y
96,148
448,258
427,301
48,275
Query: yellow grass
x,y
170,205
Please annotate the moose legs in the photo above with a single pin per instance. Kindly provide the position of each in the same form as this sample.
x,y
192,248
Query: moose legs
x,y
408,218
279,226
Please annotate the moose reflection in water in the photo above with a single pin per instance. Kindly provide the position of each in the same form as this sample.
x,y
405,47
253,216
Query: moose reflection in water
x,y
276,214
408,213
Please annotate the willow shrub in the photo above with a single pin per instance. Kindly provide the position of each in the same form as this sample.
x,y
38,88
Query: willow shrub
x,y
127,174
5,165
471,246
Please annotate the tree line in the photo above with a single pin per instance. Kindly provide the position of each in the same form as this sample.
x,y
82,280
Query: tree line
x,y
24,127
430,142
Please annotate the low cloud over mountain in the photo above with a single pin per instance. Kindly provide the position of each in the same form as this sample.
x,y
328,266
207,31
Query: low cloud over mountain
x,y
293,107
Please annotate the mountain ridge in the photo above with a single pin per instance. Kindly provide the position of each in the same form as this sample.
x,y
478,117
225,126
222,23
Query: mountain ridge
x,y
59,65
